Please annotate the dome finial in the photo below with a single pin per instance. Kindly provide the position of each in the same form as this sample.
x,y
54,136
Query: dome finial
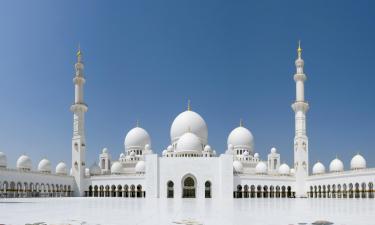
x,y
241,122
137,123
189,106
299,50
79,53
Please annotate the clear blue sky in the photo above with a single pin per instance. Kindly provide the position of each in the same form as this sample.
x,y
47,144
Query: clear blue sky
x,y
144,59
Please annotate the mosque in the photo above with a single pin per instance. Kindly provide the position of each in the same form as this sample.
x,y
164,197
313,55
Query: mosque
x,y
189,167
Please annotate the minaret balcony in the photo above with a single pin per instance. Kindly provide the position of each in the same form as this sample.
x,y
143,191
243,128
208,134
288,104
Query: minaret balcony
x,y
300,106
76,107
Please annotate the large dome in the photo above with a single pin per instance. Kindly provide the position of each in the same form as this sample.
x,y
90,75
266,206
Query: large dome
x,y
189,142
358,162
137,138
3,160
189,121
44,166
24,163
241,137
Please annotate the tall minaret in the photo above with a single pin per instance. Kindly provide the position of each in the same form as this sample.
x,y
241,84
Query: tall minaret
x,y
78,141
301,142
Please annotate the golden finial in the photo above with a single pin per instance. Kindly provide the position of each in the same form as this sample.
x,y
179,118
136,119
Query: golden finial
x,y
189,107
137,123
299,50
79,53
241,122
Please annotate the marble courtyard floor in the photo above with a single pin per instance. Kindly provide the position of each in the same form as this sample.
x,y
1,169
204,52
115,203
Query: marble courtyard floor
x,y
116,211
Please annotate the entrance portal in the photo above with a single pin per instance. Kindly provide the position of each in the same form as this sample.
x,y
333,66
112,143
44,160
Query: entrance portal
x,y
188,188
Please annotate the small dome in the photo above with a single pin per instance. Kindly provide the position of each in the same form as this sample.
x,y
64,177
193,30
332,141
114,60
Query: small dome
x,y
147,147
256,155
132,153
170,148
140,167
336,165
284,170
137,138
207,148
230,147
245,153
24,163
44,166
87,172
273,150
122,155
61,169
358,162
261,168
189,121
241,137
237,167
318,168
3,160
164,153
292,171
95,170
189,142
116,168
105,150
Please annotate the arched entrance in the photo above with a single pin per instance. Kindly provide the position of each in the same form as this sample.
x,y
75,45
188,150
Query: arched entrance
x,y
170,189
188,187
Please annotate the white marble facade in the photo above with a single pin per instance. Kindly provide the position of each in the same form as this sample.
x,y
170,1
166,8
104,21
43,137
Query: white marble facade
x,y
189,167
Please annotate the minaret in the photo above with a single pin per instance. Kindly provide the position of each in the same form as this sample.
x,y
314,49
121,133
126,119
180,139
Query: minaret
x,y
78,141
301,142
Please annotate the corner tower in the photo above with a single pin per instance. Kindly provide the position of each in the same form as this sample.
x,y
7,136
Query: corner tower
x,y
301,142
79,108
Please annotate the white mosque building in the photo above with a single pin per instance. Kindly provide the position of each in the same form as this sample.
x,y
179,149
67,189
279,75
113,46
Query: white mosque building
x,y
189,167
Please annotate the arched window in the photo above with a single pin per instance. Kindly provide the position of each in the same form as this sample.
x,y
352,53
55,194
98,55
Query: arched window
x,y
139,191
170,191
188,187
207,189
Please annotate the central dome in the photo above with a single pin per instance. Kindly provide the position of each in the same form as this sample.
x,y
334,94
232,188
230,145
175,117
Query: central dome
x,y
137,138
189,121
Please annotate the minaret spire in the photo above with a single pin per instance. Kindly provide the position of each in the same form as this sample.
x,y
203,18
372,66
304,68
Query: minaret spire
x,y
79,108
301,146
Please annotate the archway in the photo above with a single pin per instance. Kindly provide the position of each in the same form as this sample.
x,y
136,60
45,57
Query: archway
x,y
188,187
170,191
207,189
